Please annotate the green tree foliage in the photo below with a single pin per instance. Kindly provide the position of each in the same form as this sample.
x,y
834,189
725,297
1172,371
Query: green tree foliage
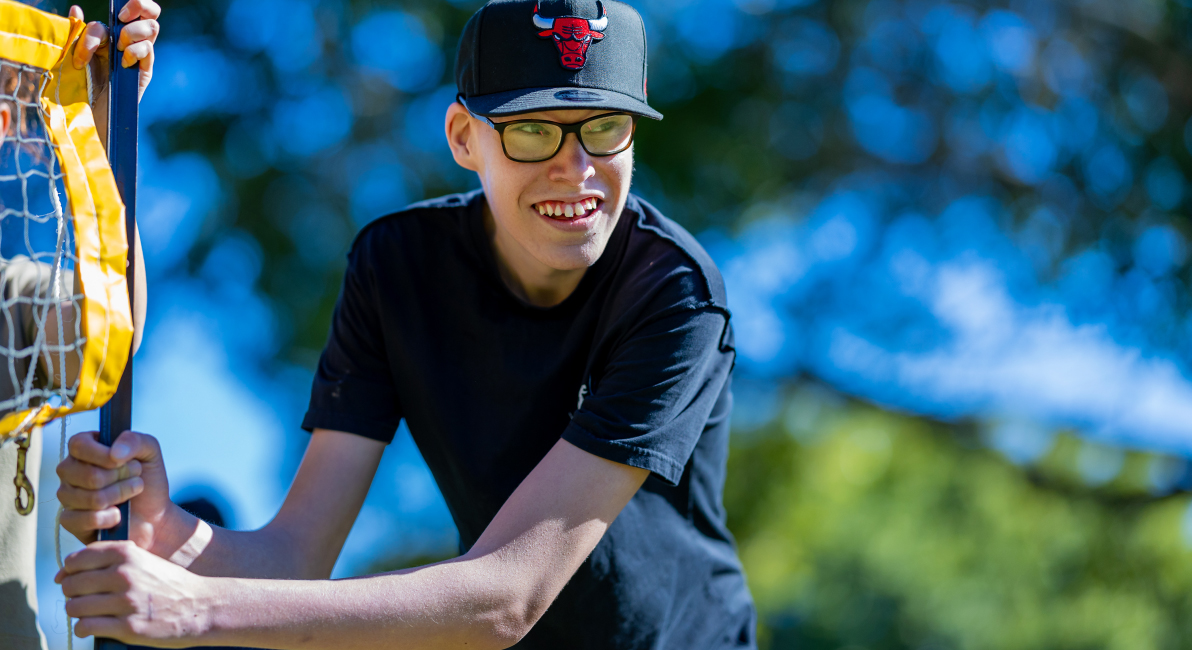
x,y
863,528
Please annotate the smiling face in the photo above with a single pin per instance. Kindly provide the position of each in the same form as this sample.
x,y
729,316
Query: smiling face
x,y
549,219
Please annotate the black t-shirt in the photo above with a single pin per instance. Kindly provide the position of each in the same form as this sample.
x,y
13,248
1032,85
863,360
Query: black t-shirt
x,y
633,367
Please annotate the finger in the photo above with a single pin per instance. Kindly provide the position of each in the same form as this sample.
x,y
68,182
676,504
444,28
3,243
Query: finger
x,y
98,555
142,30
131,444
103,604
73,498
138,10
104,627
103,581
87,448
93,38
76,473
83,524
142,51
76,12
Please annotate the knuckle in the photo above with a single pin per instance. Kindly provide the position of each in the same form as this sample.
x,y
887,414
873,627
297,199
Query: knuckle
x,y
128,604
68,496
93,479
68,470
94,500
130,488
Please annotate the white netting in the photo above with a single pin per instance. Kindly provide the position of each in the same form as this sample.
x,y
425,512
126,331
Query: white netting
x,y
41,341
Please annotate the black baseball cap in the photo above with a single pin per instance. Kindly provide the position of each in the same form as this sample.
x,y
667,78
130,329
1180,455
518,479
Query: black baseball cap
x,y
518,56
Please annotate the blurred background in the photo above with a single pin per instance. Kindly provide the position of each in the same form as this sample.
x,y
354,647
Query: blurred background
x,y
955,241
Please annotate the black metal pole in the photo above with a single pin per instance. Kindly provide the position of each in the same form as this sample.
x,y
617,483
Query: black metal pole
x,y
116,416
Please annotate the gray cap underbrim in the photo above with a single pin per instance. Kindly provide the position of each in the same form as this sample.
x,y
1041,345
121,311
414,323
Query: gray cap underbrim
x,y
528,100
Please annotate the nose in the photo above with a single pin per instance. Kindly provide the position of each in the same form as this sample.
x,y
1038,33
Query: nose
x,y
572,165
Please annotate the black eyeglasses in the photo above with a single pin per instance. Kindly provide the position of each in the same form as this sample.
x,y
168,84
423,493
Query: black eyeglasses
x,y
532,141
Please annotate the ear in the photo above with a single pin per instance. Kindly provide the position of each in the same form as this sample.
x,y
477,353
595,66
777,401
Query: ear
x,y
5,119
460,127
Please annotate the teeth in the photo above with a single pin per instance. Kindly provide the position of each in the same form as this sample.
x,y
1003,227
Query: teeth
x,y
555,209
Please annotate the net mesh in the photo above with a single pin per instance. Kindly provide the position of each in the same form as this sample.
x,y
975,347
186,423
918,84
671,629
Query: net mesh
x,y
41,339
66,325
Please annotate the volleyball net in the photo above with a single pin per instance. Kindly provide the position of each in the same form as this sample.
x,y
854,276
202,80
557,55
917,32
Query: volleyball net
x,y
65,319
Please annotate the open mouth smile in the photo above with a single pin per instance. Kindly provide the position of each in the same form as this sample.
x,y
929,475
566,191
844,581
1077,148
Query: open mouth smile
x,y
560,210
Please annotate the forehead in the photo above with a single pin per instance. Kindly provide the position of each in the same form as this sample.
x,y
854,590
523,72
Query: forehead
x,y
566,116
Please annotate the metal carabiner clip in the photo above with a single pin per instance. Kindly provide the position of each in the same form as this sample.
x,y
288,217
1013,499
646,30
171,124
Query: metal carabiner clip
x,y
22,481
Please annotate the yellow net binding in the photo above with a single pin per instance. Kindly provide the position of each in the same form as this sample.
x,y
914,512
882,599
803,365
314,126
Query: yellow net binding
x,y
36,39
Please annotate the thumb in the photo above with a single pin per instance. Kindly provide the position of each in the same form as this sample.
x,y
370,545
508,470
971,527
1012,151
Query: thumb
x,y
90,43
130,445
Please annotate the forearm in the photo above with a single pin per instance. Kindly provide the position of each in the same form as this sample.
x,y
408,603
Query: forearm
x,y
211,551
459,603
305,537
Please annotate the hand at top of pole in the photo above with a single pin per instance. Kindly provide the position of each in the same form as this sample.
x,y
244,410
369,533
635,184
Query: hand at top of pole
x,y
136,40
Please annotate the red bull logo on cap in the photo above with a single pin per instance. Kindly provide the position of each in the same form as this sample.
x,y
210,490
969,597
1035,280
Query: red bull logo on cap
x,y
572,36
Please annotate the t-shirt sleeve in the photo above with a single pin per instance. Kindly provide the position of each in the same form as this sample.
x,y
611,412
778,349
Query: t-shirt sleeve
x,y
652,401
353,387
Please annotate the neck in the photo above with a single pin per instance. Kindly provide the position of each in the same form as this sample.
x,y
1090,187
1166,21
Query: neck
x,y
529,279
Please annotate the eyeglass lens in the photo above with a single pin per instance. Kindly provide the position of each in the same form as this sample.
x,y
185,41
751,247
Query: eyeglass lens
x,y
535,141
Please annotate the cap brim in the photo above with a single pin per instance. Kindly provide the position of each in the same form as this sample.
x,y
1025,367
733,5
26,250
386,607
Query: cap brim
x,y
529,100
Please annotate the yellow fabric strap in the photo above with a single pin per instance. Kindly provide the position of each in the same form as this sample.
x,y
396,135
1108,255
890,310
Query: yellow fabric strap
x,y
34,37
43,40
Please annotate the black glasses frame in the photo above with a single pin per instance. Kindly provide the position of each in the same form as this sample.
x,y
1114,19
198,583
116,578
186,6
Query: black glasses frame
x,y
573,127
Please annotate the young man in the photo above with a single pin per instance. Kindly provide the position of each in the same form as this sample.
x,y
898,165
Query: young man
x,y
562,354
23,279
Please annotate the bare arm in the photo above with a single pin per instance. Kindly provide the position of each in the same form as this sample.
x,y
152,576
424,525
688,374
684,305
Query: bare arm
x,y
305,538
302,541
489,598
